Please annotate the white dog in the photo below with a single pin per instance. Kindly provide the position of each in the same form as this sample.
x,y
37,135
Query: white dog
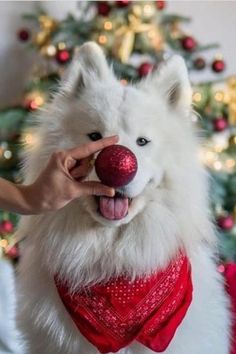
x,y
165,242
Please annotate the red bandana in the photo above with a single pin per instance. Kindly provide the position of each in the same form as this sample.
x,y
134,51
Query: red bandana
x,y
148,310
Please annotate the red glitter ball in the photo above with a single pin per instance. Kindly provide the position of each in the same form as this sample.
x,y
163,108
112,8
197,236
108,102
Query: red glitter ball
x,y
122,3
220,124
225,222
161,4
145,69
13,252
199,63
218,65
62,56
6,226
23,34
103,8
188,43
116,165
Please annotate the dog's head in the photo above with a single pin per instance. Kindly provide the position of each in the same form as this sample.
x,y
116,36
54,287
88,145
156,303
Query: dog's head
x,y
165,205
95,104
151,118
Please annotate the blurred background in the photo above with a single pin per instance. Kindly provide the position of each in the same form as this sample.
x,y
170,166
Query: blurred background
x,y
37,40
212,21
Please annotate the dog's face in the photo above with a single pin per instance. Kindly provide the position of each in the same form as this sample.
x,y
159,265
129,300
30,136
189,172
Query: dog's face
x,y
95,105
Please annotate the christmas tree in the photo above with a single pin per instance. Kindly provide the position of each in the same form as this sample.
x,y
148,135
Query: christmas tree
x,y
136,37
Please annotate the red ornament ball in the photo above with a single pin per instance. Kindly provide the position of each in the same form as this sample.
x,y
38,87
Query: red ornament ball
x,y
103,8
218,65
188,43
220,124
122,3
199,63
6,227
116,165
13,252
23,34
225,222
63,56
145,69
161,4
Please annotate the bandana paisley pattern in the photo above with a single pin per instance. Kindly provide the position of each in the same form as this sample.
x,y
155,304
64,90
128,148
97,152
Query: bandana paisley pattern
x,y
149,309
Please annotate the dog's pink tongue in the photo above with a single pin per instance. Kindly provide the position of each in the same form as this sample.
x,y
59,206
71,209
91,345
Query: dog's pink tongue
x,y
113,208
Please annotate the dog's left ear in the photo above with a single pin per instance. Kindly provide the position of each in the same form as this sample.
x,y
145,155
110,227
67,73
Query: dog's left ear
x,y
171,80
88,65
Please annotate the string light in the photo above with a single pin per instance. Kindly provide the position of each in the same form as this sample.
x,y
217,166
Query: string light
x,y
219,96
230,165
108,25
218,56
102,39
29,139
7,154
3,243
197,97
51,50
3,147
217,165
61,46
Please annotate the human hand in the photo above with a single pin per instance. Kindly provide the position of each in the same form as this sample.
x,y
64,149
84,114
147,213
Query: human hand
x,y
62,180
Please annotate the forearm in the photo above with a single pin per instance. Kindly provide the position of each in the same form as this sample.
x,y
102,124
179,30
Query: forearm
x,y
16,198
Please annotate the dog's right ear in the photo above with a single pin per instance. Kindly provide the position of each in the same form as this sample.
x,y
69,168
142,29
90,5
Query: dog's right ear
x,y
88,65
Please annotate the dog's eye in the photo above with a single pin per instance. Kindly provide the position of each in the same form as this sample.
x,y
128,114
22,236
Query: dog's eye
x,y
142,141
95,136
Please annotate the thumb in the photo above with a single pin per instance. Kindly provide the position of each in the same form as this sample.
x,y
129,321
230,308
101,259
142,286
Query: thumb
x,y
96,188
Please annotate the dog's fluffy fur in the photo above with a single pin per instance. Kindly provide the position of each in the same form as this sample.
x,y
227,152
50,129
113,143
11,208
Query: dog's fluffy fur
x,y
169,208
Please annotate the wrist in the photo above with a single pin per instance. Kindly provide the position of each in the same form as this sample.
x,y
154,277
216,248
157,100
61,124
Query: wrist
x,y
31,203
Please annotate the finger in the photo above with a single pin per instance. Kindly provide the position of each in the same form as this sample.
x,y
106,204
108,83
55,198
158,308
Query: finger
x,y
86,150
84,162
70,163
81,171
82,168
96,188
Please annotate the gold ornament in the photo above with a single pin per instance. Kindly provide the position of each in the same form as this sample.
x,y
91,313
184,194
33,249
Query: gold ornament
x,y
232,99
47,23
42,38
47,26
126,34
232,140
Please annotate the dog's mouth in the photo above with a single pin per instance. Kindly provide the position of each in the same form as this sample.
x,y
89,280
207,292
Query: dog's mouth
x,y
113,208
